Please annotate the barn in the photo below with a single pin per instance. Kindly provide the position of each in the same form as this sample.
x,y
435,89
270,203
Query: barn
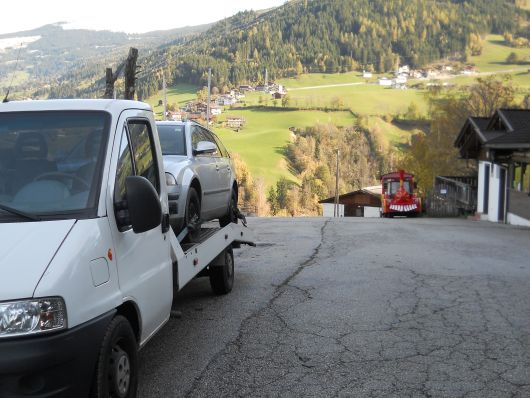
x,y
365,202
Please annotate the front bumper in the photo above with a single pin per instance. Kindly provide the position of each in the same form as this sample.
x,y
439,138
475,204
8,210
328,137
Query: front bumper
x,y
57,365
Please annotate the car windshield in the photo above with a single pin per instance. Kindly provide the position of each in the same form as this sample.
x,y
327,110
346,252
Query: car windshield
x,y
49,162
172,139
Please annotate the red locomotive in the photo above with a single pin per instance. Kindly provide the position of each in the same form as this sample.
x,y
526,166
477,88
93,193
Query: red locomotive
x,y
398,197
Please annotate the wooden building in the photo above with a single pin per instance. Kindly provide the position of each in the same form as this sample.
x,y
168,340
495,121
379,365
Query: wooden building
x,y
501,147
365,202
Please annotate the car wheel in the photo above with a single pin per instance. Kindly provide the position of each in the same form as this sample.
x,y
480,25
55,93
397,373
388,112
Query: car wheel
x,y
193,212
117,366
230,216
222,277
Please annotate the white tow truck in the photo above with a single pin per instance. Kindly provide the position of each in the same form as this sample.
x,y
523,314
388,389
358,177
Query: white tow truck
x,y
88,261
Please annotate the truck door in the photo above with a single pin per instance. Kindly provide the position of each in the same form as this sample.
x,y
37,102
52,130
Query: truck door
x,y
143,260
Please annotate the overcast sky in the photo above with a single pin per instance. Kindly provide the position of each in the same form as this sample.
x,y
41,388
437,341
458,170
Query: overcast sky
x,y
123,16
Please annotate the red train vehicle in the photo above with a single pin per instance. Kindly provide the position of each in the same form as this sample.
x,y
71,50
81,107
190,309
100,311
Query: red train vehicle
x,y
398,196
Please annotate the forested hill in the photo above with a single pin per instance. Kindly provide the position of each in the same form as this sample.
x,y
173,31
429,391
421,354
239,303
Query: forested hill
x,y
332,36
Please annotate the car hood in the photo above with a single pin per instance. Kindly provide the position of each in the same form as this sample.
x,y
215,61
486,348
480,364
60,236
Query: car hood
x,y
174,163
26,250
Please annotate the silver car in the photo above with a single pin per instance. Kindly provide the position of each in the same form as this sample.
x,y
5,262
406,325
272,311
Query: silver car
x,y
199,174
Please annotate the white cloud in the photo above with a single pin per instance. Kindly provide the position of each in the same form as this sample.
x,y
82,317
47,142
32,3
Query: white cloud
x,y
122,15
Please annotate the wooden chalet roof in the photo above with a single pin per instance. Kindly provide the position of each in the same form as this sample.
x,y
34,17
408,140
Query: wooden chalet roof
x,y
505,129
365,191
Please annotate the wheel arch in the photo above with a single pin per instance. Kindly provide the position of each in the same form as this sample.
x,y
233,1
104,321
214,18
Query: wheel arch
x,y
235,188
131,312
197,186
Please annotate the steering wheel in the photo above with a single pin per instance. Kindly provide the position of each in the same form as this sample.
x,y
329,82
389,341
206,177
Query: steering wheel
x,y
62,175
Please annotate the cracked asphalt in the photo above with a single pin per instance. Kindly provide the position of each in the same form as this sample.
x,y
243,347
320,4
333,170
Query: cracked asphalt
x,y
355,308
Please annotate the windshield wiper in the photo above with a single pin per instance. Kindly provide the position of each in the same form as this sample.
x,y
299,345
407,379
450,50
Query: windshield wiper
x,y
19,213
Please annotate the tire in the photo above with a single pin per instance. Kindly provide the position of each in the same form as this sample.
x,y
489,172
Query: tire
x,y
230,216
222,277
193,211
116,373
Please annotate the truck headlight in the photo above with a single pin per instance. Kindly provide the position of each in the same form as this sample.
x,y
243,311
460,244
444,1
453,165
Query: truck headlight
x,y
24,317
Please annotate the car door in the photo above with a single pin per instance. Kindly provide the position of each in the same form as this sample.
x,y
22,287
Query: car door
x,y
225,170
143,260
205,166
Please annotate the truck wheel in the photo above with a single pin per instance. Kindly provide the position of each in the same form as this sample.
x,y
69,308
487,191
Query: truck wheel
x,y
222,277
116,372
230,217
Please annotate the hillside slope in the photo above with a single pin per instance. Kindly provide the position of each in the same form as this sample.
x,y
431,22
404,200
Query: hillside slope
x,y
330,36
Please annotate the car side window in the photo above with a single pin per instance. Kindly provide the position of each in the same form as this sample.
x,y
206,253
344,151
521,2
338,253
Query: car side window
x,y
125,168
196,136
209,137
144,151
222,149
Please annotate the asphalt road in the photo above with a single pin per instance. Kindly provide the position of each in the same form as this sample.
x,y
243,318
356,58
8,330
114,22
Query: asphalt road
x,y
356,308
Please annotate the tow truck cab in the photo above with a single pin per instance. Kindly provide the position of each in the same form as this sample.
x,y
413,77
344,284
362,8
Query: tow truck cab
x,y
88,261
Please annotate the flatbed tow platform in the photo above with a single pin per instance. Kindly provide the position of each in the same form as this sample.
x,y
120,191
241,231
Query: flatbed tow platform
x,y
209,253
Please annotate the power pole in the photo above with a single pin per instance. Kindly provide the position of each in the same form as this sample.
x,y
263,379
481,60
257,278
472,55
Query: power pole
x,y
130,73
110,79
336,212
266,79
208,100
165,95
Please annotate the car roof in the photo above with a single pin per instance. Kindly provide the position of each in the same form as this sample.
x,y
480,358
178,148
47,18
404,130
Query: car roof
x,y
108,105
177,123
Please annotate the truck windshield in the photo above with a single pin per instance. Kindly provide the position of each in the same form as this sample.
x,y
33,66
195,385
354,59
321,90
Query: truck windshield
x,y
172,139
50,163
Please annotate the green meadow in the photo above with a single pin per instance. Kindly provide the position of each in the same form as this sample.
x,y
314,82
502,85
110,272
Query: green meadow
x,y
494,54
262,140
178,95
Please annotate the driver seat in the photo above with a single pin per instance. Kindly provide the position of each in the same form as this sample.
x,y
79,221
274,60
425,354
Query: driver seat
x,y
31,152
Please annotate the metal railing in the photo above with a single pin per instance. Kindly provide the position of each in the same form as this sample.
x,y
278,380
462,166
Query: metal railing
x,y
452,196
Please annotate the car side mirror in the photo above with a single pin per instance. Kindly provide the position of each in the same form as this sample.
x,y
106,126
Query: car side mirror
x,y
204,147
145,211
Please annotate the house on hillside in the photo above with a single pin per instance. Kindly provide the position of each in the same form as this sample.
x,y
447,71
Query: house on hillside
x,y
235,122
403,70
367,74
501,147
177,116
215,110
385,82
469,70
365,202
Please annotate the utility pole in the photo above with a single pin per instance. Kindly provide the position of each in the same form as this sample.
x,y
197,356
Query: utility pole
x,y
130,73
336,211
165,95
266,79
208,104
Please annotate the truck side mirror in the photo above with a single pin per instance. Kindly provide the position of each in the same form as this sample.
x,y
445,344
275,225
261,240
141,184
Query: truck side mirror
x,y
204,147
145,211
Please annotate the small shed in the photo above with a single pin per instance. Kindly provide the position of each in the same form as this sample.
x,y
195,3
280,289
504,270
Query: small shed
x,y
365,202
